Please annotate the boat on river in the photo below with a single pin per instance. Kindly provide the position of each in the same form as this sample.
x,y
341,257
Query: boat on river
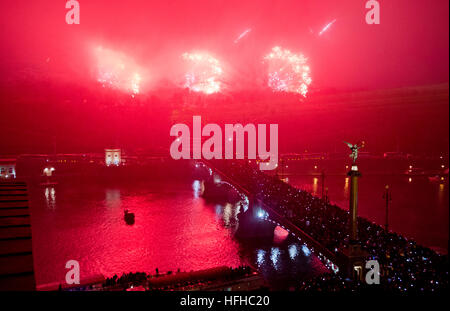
x,y
129,217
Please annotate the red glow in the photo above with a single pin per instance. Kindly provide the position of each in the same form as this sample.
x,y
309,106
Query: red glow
x,y
116,70
204,73
280,234
288,72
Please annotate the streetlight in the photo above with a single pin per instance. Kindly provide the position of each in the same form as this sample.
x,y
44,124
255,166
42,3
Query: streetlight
x,y
388,197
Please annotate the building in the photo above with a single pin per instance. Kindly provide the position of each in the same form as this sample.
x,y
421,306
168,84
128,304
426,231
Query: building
x,y
113,157
16,251
48,171
7,168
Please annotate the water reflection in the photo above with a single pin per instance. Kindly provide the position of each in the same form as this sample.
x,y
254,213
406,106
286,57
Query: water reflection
x,y
112,199
274,256
227,214
218,209
419,208
176,228
279,234
315,185
50,197
198,187
441,194
306,250
260,257
293,251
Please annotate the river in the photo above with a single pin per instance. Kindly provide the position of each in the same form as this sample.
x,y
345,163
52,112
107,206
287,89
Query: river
x,y
175,229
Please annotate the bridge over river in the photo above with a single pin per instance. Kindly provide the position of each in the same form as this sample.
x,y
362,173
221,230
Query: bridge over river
x,y
262,211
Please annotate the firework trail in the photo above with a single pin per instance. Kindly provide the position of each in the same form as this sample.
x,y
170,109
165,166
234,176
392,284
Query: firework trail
x,y
327,26
242,35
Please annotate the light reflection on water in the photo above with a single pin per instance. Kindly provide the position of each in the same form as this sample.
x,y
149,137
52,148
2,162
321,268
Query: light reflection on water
x,y
419,207
174,229
260,257
293,251
198,187
112,198
274,256
50,197
306,250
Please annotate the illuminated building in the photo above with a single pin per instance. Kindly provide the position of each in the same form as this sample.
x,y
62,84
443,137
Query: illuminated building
x,y
113,157
7,168
48,171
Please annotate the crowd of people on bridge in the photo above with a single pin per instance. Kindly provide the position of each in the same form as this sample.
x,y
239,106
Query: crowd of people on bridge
x,y
405,265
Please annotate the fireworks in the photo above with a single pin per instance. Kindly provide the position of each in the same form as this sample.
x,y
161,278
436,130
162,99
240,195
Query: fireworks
x,y
288,72
204,72
242,35
117,71
327,26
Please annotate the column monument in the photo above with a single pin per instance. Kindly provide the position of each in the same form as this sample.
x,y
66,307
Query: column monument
x,y
354,261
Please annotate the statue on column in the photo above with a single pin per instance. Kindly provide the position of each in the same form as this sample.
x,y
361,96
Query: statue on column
x,y
354,148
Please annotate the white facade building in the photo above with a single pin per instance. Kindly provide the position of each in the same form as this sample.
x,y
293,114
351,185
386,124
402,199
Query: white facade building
x,y
113,157
7,168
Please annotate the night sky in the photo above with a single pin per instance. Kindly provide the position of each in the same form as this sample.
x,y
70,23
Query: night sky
x,y
48,83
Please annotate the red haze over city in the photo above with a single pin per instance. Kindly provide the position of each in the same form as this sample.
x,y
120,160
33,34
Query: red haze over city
x,y
86,175
57,65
